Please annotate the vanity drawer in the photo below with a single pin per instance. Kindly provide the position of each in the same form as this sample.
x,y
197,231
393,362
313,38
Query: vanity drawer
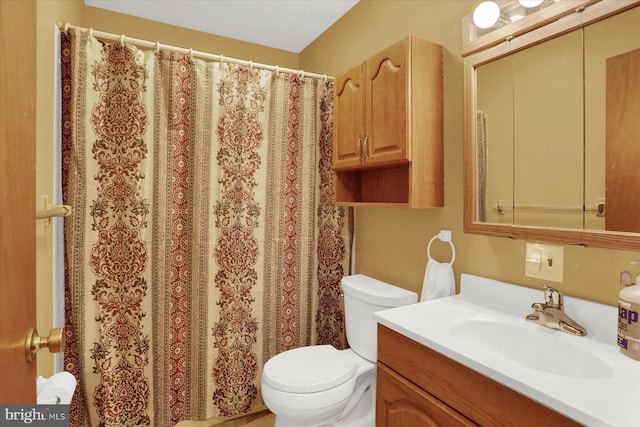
x,y
475,396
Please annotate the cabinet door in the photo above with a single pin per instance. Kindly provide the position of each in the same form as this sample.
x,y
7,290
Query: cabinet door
x,y
400,403
387,106
349,127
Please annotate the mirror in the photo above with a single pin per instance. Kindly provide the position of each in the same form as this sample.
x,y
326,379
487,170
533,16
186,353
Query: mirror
x,y
550,117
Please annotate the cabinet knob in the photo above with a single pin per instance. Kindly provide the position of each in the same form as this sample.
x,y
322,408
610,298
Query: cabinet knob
x,y
359,148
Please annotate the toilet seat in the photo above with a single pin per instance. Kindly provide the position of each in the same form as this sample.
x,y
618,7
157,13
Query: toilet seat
x,y
309,369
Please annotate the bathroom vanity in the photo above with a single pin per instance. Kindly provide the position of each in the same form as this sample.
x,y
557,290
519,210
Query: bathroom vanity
x,y
473,359
419,387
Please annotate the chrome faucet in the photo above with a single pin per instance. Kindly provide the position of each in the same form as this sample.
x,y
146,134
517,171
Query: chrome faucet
x,y
551,314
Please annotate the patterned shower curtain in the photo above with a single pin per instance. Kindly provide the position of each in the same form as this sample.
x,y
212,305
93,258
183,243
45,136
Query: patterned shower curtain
x,y
204,239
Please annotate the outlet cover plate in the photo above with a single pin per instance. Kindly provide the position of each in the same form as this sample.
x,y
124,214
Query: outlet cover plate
x,y
544,262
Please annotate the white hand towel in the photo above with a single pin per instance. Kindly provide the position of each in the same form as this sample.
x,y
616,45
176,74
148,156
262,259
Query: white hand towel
x,y
439,280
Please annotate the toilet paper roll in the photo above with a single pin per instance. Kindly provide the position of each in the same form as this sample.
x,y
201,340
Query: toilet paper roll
x,y
40,381
56,390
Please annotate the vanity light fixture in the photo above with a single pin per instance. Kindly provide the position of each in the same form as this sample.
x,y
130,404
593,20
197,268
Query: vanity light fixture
x,y
489,15
530,3
516,17
486,14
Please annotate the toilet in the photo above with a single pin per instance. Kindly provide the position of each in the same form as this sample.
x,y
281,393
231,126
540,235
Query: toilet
x,y
322,386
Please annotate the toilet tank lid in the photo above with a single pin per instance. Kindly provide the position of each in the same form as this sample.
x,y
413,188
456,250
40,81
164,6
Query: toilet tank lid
x,y
377,292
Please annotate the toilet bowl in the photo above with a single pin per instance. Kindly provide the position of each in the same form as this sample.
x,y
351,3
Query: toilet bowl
x,y
312,386
322,386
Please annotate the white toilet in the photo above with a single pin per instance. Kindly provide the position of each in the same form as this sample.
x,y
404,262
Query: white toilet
x,y
322,386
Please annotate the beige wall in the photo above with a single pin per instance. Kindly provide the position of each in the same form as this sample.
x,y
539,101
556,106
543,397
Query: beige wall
x,y
390,243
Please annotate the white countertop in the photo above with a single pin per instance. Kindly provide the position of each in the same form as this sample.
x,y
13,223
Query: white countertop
x,y
586,378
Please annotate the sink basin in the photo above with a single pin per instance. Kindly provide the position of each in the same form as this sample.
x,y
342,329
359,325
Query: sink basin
x,y
531,347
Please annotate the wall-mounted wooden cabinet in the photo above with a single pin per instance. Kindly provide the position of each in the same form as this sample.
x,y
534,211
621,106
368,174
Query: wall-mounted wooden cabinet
x,y
418,386
388,134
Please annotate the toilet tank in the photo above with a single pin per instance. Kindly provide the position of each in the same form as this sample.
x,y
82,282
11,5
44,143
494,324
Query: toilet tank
x,y
363,296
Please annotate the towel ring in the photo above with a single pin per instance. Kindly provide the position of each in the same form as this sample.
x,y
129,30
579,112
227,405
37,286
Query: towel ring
x,y
444,237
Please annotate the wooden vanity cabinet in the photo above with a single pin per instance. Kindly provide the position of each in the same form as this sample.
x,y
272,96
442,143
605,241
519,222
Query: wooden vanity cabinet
x,y
388,135
402,403
418,386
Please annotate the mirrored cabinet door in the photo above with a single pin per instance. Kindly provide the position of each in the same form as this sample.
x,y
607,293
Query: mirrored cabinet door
x,y
612,121
494,140
548,133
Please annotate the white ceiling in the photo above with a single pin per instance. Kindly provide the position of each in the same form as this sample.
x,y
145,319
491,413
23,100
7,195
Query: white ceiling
x,y
283,24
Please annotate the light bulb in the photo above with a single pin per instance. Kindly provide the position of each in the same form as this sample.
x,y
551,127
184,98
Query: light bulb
x,y
486,14
530,3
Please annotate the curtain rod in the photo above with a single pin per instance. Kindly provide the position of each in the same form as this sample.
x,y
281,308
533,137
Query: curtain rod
x,y
157,45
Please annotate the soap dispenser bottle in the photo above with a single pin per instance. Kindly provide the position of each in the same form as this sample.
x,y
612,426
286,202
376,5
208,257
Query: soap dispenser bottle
x,y
628,318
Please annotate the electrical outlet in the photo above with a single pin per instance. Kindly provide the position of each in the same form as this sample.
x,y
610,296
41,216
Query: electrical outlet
x,y
544,261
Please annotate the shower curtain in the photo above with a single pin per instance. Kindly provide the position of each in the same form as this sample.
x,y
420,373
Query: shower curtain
x,y
204,239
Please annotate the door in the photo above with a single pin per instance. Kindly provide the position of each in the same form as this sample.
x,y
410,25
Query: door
x,y
349,128
623,149
17,198
401,403
387,105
